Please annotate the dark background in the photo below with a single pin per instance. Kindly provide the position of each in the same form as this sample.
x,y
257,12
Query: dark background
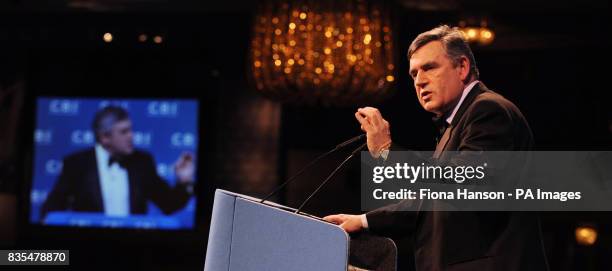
x,y
552,58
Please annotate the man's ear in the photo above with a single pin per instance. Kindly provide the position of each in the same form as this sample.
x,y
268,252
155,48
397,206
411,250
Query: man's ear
x,y
464,68
105,138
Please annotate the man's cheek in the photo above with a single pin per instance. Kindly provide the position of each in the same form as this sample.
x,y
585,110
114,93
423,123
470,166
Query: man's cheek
x,y
432,104
423,103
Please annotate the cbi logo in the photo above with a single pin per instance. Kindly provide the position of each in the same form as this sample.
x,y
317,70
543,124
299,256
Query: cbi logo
x,y
63,107
53,167
181,140
142,139
82,137
38,197
43,137
162,109
165,170
105,103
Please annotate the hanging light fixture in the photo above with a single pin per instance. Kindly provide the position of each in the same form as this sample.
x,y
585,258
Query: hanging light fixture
x,y
327,52
482,34
586,235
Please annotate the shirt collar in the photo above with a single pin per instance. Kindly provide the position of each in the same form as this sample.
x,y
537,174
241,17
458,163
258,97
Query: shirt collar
x,y
102,154
466,90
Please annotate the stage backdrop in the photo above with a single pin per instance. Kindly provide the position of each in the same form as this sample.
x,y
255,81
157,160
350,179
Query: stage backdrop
x,y
164,128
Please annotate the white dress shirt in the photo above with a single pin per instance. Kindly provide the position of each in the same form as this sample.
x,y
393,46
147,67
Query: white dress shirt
x,y
466,90
114,185
449,120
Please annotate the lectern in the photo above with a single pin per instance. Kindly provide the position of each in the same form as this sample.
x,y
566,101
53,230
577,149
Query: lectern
x,y
248,235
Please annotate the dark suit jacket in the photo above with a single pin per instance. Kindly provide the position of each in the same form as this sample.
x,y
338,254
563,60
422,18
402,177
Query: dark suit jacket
x,y
78,186
480,241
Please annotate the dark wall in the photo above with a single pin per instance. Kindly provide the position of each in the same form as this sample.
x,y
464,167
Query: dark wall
x,y
554,66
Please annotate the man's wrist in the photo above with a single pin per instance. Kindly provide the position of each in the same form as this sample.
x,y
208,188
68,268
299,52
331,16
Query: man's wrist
x,y
384,151
384,154
364,221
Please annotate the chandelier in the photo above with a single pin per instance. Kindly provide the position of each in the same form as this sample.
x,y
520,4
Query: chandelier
x,y
323,52
473,34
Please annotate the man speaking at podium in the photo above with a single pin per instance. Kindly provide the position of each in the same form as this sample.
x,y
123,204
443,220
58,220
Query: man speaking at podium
x,y
475,119
115,179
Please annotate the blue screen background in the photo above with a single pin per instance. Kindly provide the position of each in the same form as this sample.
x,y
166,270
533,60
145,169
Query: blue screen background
x,y
166,128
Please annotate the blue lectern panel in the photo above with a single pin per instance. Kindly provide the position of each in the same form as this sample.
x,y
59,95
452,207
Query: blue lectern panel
x,y
220,237
267,238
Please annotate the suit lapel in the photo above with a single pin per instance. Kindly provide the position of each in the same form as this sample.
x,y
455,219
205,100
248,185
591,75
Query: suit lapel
x,y
478,88
441,146
134,176
93,180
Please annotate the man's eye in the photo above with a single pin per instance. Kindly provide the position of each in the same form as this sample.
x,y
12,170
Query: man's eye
x,y
429,67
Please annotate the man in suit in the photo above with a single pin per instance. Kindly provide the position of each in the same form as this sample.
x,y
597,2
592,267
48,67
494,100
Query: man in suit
x,y
475,119
114,178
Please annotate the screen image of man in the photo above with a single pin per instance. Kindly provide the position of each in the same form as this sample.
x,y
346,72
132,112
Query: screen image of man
x,y
116,179
473,118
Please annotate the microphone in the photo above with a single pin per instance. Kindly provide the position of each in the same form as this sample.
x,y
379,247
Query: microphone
x,y
330,176
313,162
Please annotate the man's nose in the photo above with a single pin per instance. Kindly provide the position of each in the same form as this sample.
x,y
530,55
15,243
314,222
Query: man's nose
x,y
420,81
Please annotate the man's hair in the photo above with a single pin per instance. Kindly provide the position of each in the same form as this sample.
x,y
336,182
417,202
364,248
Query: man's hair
x,y
107,117
453,41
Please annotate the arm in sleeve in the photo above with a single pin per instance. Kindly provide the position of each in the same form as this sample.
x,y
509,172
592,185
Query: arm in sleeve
x,y
61,195
168,199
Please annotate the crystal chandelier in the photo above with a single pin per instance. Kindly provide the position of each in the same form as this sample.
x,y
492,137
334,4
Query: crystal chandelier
x,y
323,52
481,35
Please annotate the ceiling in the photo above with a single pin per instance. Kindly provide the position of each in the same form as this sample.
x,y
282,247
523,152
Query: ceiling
x,y
521,6
519,24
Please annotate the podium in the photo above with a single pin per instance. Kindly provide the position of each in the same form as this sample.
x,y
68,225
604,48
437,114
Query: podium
x,y
248,235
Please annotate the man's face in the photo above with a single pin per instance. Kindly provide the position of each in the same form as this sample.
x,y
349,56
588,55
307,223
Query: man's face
x,y
119,139
438,83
